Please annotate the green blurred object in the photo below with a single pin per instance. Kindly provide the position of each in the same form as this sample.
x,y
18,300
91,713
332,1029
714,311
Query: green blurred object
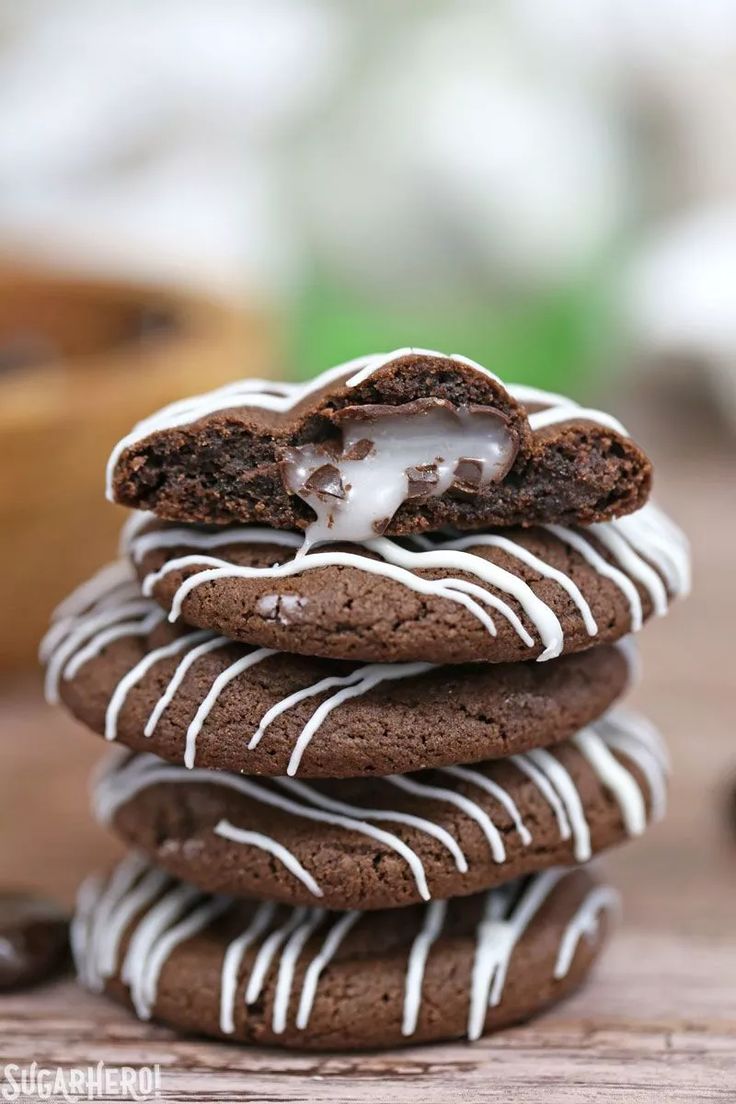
x,y
557,340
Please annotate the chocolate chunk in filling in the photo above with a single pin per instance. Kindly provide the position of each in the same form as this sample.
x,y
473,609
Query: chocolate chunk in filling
x,y
393,453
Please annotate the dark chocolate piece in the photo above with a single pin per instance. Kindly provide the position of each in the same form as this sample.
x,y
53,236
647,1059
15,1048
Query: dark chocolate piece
x,y
33,939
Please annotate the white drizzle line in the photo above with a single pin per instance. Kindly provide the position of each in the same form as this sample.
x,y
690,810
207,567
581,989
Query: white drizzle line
x,y
268,949
647,547
144,984
322,959
546,570
114,915
322,801
139,545
285,977
561,781
355,684
626,733
105,581
176,900
115,789
434,919
85,636
223,679
475,778
584,923
455,590
133,525
256,839
88,896
234,954
604,568
539,613
656,537
633,564
135,674
464,804
616,779
540,419
170,913
210,644
497,937
536,775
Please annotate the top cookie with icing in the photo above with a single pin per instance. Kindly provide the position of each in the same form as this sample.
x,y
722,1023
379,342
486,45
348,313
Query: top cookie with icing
x,y
393,444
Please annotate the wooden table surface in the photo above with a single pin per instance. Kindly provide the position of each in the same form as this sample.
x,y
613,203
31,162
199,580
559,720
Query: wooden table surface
x,y
658,1020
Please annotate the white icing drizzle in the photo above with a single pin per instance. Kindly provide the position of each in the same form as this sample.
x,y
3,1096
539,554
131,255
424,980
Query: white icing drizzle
x,y
553,415
561,781
166,916
88,897
115,789
223,679
285,977
326,953
354,685
210,644
135,674
633,565
83,637
233,959
267,951
547,790
616,779
456,590
584,923
475,778
625,733
497,936
343,808
464,804
140,544
656,537
104,583
434,919
604,568
477,540
256,839
144,982
163,915
647,549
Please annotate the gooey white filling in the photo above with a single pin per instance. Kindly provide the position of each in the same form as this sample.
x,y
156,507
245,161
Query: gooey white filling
x,y
355,499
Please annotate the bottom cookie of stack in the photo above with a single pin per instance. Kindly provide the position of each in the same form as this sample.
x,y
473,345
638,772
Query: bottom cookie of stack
x,y
258,972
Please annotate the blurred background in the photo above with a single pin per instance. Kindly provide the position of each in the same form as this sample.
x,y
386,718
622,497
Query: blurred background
x,y
194,192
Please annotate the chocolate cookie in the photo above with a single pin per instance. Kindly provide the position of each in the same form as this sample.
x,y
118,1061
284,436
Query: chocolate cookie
x,y
390,842
312,979
195,697
33,939
399,443
502,597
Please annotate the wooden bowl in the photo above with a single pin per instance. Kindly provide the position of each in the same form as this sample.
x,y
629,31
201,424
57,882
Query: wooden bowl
x,y
80,362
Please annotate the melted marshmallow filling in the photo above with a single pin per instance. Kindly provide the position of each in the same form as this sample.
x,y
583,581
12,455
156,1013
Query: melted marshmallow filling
x,y
391,454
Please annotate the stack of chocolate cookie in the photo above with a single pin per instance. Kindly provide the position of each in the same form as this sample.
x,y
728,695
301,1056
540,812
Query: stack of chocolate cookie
x,y
361,651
